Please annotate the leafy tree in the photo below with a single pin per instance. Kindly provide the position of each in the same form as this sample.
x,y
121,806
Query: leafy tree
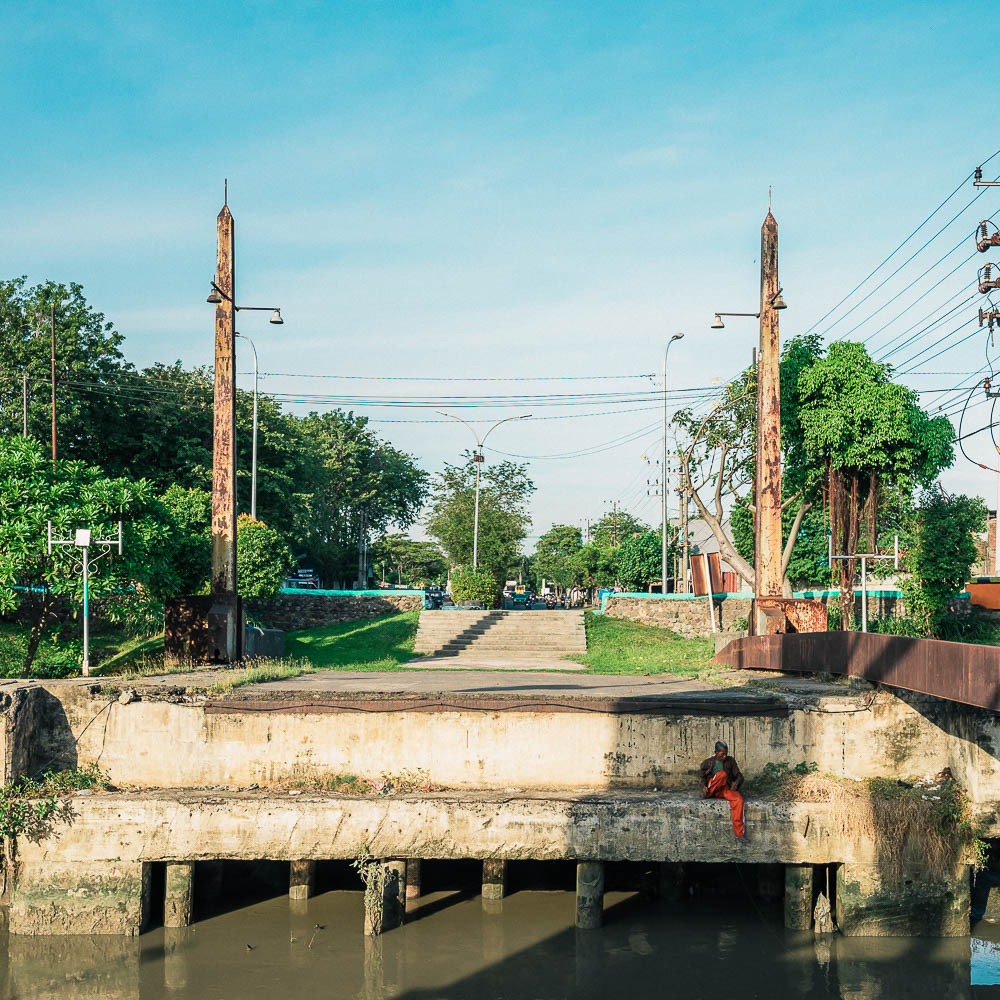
x,y
468,584
190,513
717,459
409,561
595,565
612,529
90,369
638,560
263,558
556,554
503,512
360,487
807,566
941,550
73,496
871,440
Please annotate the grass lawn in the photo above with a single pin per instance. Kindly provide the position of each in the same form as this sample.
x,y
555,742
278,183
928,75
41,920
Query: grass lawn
x,y
383,643
617,646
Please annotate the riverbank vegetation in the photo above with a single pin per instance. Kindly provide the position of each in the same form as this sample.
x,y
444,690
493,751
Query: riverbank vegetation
x,y
921,820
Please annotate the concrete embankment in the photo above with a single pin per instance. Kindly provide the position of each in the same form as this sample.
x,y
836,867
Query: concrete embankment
x,y
555,770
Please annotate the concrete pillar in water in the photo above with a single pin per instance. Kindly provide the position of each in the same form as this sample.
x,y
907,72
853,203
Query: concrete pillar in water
x,y
589,894
873,901
798,897
494,878
302,879
178,894
176,955
385,912
413,880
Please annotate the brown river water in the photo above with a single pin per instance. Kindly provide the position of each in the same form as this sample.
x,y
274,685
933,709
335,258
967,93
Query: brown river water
x,y
526,948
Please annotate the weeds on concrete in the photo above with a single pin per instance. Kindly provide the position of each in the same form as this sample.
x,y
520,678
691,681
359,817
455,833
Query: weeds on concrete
x,y
259,672
28,805
384,785
924,821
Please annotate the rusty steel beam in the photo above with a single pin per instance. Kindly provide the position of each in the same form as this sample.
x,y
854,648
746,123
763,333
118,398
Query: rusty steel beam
x,y
767,536
954,671
224,430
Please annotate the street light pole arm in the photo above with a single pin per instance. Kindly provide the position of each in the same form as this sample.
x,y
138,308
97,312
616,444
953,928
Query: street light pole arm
x,y
441,413
523,416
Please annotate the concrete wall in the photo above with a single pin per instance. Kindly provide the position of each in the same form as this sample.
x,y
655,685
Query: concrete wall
x,y
305,610
688,616
169,739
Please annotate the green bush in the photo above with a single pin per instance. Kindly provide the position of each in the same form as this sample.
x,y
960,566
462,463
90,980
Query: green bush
x,y
468,584
940,554
263,558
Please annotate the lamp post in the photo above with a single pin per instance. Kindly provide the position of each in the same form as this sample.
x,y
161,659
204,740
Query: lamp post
x,y
478,458
253,464
82,540
663,478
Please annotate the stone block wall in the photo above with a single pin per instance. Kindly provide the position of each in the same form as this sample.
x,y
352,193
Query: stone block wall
x,y
297,611
688,616
685,616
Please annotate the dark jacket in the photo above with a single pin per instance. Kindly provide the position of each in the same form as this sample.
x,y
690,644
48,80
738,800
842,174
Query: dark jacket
x,y
734,776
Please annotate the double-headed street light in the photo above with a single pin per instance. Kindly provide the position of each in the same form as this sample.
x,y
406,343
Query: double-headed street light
x,y
478,458
216,295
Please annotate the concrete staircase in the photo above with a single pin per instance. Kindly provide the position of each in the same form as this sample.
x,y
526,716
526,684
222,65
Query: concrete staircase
x,y
520,635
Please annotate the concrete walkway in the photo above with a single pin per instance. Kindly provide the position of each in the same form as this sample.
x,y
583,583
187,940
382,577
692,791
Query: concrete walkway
x,y
498,661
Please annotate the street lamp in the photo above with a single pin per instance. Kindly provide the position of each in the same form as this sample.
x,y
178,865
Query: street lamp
x,y
777,302
253,466
216,295
478,457
663,478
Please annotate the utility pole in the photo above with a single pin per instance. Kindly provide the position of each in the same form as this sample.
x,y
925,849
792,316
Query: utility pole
x,y
227,637
663,477
52,329
767,537
685,550
24,402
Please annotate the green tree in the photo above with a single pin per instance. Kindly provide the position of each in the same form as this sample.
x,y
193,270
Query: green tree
x,y
807,566
718,456
90,370
263,558
468,584
595,566
873,442
190,513
403,560
556,555
638,560
941,549
73,496
503,513
612,529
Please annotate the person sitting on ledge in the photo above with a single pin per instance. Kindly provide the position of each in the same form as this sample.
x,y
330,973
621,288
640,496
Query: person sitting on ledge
x,y
721,779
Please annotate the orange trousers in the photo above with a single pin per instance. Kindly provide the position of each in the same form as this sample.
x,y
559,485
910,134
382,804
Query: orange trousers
x,y
718,788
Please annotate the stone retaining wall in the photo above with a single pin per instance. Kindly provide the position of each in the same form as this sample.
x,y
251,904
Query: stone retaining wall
x,y
688,616
296,611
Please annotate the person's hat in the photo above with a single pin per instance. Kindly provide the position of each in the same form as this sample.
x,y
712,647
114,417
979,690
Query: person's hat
x,y
720,745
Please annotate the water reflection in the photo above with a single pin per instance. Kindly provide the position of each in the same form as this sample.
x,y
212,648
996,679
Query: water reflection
x,y
527,947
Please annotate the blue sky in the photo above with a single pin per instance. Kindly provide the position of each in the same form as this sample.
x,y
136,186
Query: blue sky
x,y
475,189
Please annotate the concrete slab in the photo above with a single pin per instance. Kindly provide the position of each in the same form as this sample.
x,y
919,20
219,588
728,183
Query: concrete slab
x,y
502,661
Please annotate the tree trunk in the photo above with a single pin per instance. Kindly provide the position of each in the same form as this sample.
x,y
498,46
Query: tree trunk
x,y
35,637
